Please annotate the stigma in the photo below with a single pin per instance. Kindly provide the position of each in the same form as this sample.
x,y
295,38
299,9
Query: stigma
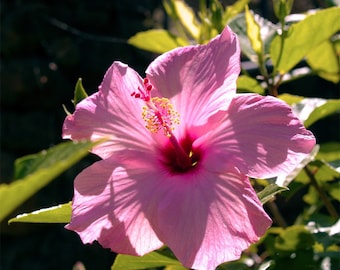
x,y
158,113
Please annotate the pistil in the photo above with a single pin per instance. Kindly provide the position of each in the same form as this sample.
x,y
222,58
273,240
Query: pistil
x,y
183,159
159,114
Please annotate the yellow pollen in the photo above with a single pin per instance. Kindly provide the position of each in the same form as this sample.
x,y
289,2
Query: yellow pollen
x,y
159,114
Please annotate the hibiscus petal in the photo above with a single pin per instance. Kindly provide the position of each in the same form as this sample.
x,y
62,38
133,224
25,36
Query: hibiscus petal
x,y
132,205
198,79
208,218
260,136
107,205
111,113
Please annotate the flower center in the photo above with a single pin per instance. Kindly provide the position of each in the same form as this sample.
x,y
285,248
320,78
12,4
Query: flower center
x,y
159,114
172,159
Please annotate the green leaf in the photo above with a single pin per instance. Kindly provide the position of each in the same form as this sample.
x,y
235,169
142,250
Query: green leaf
x,y
153,259
253,33
248,84
79,92
210,25
175,267
294,238
234,9
322,171
334,191
304,36
55,214
290,99
310,110
327,235
321,221
216,16
187,18
238,25
312,196
234,265
295,260
305,107
330,107
36,171
156,41
324,60
268,31
169,8
327,240
329,151
269,192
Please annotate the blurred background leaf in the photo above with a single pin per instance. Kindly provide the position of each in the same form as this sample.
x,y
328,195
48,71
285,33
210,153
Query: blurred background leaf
x,y
301,38
53,214
151,260
33,172
157,41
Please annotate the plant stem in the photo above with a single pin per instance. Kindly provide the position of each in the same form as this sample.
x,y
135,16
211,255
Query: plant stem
x,y
329,206
276,214
274,88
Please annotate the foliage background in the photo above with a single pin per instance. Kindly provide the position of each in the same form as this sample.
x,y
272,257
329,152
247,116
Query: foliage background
x,y
45,47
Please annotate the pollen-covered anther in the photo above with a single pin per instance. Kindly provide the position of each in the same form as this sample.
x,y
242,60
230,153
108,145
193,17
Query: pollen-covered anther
x,y
160,114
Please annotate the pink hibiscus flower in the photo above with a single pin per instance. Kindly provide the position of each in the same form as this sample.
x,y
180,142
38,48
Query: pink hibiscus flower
x,y
181,146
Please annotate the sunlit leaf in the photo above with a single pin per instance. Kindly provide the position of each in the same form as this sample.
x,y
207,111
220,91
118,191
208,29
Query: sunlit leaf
x,y
234,9
54,214
169,8
187,18
324,60
329,151
304,108
248,84
268,31
153,259
312,196
156,41
175,267
294,238
269,192
323,172
79,92
310,110
36,171
253,32
290,99
304,36
330,107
